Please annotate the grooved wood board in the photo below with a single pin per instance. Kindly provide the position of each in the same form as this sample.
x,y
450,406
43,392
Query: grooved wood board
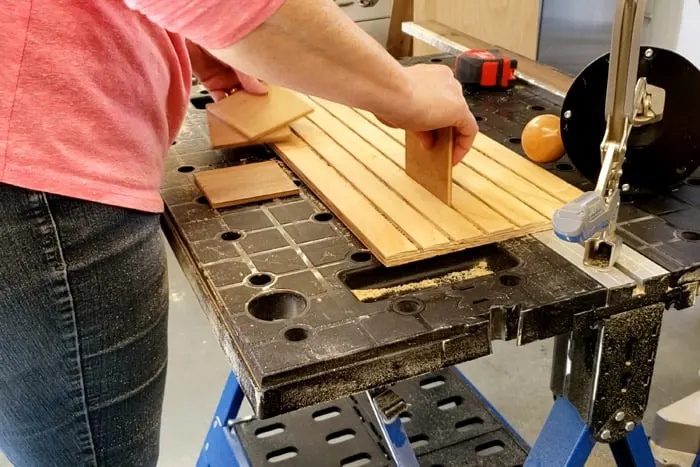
x,y
256,116
432,168
223,136
356,165
244,184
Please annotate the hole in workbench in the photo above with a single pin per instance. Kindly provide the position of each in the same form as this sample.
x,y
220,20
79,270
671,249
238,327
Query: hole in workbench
x,y
269,430
481,300
418,441
296,334
200,102
625,381
405,417
690,236
297,182
231,236
693,181
651,356
510,280
361,256
340,436
326,414
537,108
202,200
514,140
185,169
450,403
357,460
629,350
564,167
490,448
173,143
204,91
275,306
437,60
479,118
282,455
432,382
322,217
408,306
469,424
260,280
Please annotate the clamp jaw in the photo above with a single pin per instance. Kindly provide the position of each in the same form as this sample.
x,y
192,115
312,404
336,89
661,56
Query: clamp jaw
x,y
630,102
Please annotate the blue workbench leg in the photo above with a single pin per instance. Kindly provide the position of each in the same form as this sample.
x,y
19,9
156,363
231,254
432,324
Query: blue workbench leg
x,y
395,436
634,449
218,450
696,462
565,440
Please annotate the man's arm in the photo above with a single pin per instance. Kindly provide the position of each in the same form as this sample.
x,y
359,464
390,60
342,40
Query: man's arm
x,y
313,47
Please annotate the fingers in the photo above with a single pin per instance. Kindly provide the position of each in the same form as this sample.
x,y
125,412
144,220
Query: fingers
x,y
465,134
251,85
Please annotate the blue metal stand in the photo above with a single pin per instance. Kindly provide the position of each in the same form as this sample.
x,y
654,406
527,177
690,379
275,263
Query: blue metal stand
x,y
567,441
220,448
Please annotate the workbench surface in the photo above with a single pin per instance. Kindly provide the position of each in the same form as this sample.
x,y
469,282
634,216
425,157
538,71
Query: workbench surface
x,y
306,339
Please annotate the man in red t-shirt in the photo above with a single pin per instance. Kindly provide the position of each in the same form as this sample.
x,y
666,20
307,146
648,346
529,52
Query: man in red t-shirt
x,y
93,93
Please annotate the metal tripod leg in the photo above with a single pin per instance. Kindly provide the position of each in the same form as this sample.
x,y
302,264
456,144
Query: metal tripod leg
x,y
219,449
386,406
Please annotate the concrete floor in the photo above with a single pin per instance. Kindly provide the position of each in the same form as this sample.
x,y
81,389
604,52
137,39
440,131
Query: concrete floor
x,y
515,380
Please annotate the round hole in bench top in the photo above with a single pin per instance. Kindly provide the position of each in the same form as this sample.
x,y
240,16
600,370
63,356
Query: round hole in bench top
x,y
260,279
323,217
436,60
231,236
408,306
510,280
479,118
514,140
564,167
537,108
173,143
204,91
361,256
690,235
297,182
202,200
185,169
296,334
278,305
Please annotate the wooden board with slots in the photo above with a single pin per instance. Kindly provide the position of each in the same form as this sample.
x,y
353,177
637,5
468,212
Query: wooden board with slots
x,y
356,165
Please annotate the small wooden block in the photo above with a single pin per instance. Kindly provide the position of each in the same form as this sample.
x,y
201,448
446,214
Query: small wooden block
x,y
244,184
223,136
256,116
432,168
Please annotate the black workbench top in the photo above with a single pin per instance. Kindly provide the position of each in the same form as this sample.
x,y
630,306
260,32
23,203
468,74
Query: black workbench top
x,y
314,341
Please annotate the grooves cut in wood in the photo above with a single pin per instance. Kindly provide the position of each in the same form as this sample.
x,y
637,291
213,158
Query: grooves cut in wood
x,y
246,183
357,166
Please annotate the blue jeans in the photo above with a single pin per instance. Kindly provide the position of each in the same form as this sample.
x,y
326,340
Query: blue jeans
x,y
83,332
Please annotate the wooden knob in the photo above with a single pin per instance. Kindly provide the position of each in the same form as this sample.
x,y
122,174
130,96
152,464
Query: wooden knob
x,y
541,139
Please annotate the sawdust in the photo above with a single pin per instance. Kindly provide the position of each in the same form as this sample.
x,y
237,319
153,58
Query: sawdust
x,y
369,295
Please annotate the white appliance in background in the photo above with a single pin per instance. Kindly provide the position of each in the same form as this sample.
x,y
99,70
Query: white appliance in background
x,y
371,15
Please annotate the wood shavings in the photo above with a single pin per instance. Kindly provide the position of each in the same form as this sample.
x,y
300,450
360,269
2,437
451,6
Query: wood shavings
x,y
370,295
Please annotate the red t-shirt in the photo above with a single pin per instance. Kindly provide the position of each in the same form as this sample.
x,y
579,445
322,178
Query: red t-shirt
x,y
92,92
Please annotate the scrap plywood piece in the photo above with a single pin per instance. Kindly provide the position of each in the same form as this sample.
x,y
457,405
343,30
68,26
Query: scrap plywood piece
x,y
244,184
357,166
255,116
432,167
223,136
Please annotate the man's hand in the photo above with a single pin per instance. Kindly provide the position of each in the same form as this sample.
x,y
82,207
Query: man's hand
x,y
437,102
217,77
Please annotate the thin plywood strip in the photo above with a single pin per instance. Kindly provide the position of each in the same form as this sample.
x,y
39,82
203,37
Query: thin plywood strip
x,y
356,166
223,136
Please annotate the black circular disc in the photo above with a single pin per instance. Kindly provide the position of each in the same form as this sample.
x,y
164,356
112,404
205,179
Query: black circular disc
x,y
659,155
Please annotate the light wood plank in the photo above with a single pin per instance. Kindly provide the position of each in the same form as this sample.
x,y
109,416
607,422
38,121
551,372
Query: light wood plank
x,y
432,167
501,175
423,232
397,133
356,211
246,183
498,199
400,45
256,116
443,217
223,136
547,181
479,212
